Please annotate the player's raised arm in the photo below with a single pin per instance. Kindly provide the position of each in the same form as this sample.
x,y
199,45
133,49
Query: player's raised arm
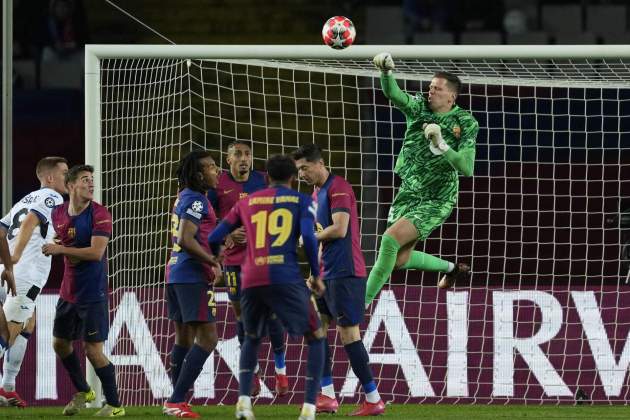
x,y
385,64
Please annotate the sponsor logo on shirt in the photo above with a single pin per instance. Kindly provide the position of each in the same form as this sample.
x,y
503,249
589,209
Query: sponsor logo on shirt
x,y
457,131
228,191
271,259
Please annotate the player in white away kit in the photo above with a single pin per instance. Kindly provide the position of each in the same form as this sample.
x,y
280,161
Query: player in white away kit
x,y
28,226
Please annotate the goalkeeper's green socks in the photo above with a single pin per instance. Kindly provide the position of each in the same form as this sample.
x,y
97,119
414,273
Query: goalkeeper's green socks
x,y
383,267
418,260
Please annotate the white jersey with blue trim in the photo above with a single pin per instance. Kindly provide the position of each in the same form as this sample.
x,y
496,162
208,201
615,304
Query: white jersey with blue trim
x,y
33,267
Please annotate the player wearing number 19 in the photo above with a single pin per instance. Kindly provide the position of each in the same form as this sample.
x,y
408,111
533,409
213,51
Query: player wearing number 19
x,y
189,275
439,145
234,184
271,282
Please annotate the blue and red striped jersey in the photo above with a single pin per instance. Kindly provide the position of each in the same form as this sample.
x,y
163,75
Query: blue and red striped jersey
x,y
274,219
225,196
183,267
340,257
83,281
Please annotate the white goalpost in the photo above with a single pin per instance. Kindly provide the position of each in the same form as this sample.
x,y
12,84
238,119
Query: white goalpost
x,y
546,314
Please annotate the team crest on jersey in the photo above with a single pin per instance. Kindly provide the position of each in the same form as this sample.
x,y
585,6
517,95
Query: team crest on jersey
x,y
72,232
197,206
457,132
242,195
50,202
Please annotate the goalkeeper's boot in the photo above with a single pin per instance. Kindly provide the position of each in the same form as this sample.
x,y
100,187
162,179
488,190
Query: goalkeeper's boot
x,y
181,410
244,410
13,398
307,413
369,409
255,390
282,384
78,401
325,404
460,272
110,411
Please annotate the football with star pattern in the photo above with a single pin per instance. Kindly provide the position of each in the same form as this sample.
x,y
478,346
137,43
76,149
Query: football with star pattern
x,y
338,32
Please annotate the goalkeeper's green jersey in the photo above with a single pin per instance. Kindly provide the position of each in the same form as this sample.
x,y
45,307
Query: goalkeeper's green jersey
x,y
432,176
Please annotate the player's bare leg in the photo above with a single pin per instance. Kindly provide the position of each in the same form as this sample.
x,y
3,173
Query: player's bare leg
x,y
19,335
4,333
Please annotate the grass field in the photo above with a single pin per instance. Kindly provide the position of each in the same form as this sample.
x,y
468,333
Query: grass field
x,y
401,412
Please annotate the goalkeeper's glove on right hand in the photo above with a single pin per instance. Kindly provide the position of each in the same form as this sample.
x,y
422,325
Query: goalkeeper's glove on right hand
x,y
433,133
384,62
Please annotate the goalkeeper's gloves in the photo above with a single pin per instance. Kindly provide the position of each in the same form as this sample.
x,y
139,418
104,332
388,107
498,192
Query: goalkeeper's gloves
x,y
433,133
384,62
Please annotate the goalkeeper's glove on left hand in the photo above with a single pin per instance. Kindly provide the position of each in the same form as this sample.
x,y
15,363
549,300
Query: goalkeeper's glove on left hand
x,y
433,133
384,62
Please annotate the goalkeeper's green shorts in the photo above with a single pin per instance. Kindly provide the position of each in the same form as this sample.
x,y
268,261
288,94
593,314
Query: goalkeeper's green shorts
x,y
425,214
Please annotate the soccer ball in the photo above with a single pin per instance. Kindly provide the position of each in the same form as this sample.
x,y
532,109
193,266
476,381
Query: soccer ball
x,y
338,32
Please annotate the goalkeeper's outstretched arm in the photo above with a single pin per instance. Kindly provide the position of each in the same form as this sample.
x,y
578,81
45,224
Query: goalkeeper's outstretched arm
x,y
392,91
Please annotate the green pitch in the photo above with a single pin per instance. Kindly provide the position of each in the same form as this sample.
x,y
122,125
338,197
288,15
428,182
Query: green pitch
x,y
400,412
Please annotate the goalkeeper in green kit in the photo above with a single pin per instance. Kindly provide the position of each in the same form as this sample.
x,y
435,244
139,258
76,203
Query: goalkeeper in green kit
x,y
439,145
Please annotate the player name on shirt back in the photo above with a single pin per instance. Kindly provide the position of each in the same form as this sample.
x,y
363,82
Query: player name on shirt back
x,y
273,200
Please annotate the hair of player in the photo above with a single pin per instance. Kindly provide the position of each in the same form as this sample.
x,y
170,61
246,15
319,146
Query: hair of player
x,y
47,164
310,152
233,144
281,168
453,81
73,173
189,172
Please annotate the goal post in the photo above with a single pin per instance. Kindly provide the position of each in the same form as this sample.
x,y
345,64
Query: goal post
x,y
546,315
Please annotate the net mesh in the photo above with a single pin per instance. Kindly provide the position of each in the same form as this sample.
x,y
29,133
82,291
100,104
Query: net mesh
x,y
545,315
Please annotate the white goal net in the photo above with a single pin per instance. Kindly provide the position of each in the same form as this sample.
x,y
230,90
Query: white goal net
x,y
544,221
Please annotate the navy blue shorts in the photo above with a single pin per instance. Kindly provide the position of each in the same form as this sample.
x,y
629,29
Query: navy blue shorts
x,y
190,302
291,303
232,275
86,321
344,300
